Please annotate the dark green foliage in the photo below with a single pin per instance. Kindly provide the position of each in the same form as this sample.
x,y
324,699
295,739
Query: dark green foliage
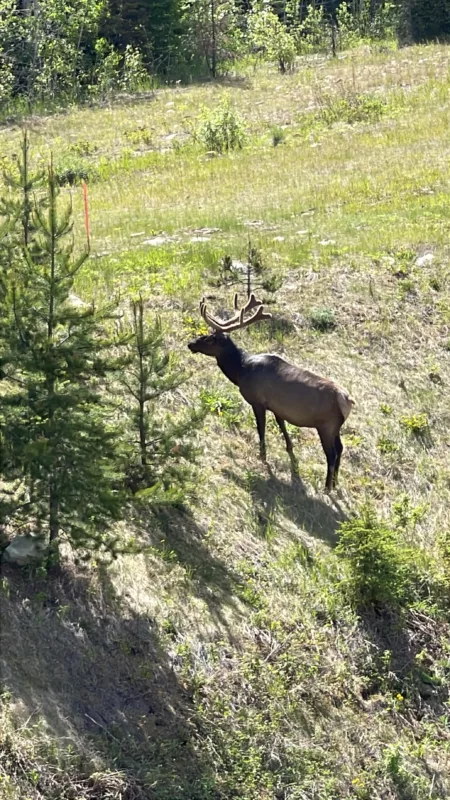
x,y
427,19
383,572
322,319
352,109
56,441
151,25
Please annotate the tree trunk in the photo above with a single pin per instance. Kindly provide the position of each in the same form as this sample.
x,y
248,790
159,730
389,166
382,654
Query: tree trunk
x,y
53,505
142,437
213,40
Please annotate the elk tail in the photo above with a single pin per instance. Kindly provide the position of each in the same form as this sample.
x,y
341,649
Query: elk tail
x,y
345,402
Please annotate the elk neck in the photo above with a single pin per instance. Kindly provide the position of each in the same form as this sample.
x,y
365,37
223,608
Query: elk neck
x,y
232,362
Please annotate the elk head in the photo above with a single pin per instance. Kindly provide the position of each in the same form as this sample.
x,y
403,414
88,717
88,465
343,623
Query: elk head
x,y
213,344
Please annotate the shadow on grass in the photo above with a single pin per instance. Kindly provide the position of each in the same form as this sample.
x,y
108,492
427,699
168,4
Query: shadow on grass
x,y
101,679
402,653
177,537
289,497
232,81
411,644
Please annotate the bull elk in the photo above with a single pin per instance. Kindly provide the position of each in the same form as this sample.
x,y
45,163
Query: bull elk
x,y
269,383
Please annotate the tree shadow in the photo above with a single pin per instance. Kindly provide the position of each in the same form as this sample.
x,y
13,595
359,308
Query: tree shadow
x,y
233,81
412,643
177,537
100,678
403,650
271,494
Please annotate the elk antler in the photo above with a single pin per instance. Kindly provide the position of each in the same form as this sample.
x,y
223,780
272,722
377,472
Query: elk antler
x,y
237,322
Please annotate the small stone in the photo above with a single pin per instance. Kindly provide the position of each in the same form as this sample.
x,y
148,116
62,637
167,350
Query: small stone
x,y
76,302
424,260
156,241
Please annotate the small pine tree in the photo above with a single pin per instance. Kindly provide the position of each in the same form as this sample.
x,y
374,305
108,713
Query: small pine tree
x,y
256,275
56,439
17,204
159,445
17,231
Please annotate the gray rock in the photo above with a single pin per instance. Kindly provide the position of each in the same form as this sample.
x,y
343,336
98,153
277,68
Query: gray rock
x,y
23,550
425,260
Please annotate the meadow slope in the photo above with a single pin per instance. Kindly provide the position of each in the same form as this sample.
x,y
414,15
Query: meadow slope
x,y
226,661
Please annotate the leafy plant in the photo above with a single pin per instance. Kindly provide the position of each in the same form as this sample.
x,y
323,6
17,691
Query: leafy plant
x,y
140,135
134,74
312,33
352,108
322,319
269,35
212,33
416,424
381,568
225,407
221,129
278,135
387,446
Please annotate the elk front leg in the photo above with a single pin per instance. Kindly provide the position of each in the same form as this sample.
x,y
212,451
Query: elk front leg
x,y
260,416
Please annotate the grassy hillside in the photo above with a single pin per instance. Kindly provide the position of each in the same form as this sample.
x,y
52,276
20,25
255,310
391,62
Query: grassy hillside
x,y
228,660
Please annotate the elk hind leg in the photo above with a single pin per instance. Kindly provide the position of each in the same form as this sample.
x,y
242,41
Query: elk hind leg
x,y
287,438
328,440
339,448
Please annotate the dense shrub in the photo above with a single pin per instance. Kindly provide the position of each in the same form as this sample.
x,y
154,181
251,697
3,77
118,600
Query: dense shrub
x,y
382,570
221,129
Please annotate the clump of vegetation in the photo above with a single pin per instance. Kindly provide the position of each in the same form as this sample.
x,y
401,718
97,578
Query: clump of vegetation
x,y
323,320
83,147
278,135
222,405
221,129
352,108
70,169
416,424
387,446
270,37
139,135
381,568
